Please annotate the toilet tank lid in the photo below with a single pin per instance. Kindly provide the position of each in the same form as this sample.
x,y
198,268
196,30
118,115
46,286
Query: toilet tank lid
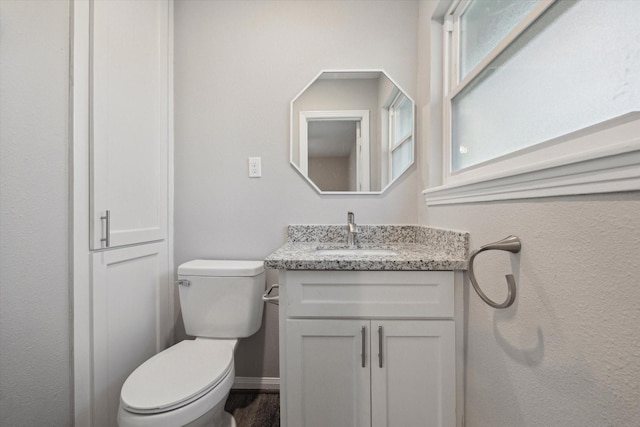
x,y
221,268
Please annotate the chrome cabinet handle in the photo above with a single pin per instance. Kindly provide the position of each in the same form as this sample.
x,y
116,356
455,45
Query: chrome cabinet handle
x,y
380,333
107,228
273,300
363,331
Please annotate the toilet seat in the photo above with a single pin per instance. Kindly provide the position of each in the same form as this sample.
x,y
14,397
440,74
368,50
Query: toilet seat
x,y
177,376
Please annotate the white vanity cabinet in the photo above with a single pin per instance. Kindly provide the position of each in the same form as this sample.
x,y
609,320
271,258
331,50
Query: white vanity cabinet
x,y
367,348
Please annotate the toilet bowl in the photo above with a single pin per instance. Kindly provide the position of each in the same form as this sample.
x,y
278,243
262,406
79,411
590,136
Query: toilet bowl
x,y
188,384
185,385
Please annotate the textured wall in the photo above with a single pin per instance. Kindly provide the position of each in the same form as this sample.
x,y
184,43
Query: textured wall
x,y
35,378
567,353
238,66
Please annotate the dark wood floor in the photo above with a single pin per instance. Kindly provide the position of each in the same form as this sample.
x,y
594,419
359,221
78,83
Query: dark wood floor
x,y
254,409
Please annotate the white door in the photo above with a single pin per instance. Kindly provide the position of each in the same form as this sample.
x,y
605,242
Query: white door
x,y
129,116
363,165
328,379
413,382
362,141
131,319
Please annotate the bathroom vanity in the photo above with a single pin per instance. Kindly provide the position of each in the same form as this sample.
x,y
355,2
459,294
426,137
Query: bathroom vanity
x,y
367,332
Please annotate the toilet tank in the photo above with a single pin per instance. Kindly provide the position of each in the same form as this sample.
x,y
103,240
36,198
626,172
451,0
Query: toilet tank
x,y
221,298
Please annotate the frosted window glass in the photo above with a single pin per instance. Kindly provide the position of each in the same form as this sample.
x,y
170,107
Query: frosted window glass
x,y
578,65
483,24
401,158
403,120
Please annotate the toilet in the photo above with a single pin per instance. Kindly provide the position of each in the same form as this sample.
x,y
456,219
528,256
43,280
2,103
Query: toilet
x,y
188,384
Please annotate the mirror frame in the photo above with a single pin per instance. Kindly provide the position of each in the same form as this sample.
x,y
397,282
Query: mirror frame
x,y
292,131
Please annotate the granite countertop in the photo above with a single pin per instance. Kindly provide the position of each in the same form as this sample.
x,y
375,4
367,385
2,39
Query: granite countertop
x,y
417,247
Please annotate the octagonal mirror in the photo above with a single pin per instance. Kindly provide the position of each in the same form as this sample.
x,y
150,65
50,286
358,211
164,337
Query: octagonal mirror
x,y
352,132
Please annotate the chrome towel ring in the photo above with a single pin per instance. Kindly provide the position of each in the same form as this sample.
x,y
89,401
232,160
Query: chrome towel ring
x,y
510,244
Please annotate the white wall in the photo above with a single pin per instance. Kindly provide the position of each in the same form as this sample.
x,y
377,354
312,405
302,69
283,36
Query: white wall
x,y
35,377
567,353
238,64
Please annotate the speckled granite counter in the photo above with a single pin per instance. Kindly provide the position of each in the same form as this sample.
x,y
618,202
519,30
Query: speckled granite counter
x,y
417,247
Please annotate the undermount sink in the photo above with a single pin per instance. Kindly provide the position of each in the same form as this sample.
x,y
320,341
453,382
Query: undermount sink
x,y
355,251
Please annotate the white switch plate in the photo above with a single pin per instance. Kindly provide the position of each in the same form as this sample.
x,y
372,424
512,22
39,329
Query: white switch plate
x,y
255,169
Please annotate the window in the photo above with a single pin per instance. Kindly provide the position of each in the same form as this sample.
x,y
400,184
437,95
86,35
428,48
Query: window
x,y
481,26
400,134
536,85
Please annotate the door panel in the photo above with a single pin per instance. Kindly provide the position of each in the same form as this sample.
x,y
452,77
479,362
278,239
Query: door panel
x,y
129,120
326,382
416,384
131,319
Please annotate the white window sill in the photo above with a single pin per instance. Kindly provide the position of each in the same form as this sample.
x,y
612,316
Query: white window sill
x,y
602,159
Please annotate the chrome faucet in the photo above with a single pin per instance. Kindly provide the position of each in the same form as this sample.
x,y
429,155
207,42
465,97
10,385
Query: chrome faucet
x,y
352,229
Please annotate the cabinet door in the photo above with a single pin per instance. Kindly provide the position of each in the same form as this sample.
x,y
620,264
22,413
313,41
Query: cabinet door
x,y
129,116
413,383
328,382
131,319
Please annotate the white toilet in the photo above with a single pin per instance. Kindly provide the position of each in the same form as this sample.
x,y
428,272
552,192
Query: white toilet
x,y
188,384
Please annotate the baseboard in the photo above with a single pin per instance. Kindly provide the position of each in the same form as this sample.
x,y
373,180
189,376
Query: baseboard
x,y
256,383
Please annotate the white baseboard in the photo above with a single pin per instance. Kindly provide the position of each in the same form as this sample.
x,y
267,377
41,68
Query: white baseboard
x,y
256,383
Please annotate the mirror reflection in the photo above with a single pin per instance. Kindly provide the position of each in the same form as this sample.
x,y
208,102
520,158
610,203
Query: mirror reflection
x,y
352,131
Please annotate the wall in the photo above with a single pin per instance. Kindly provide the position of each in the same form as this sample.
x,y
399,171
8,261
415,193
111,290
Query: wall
x,y
35,377
238,64
332,173
567,353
